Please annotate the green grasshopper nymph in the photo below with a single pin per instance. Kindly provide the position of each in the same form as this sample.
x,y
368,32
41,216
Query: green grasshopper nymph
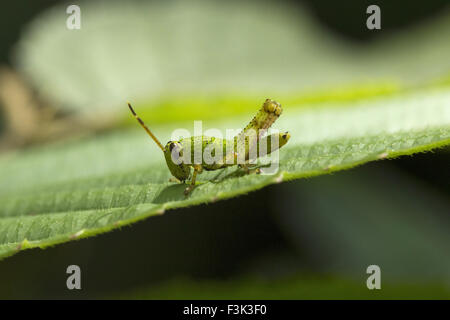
x,y
265,117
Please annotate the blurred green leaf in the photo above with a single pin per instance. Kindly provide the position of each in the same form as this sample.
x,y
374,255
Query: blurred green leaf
x,y
207,106
74,189
151,51
293,287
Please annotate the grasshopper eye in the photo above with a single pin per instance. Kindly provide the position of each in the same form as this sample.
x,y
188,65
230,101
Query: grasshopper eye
x,y
175,148
176,152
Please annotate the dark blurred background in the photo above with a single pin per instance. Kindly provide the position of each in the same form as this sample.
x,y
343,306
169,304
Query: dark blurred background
x,y
309,231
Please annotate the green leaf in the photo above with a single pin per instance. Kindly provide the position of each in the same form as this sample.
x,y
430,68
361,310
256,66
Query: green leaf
x,y
292,287
74,189
150,50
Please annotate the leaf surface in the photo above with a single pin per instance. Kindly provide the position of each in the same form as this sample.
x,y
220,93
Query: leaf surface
x,y
74,189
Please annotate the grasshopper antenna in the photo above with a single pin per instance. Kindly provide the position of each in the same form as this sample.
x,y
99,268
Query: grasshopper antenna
x,y
146,128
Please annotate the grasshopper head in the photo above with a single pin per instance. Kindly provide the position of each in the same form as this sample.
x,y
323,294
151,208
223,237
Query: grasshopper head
x,y
173,152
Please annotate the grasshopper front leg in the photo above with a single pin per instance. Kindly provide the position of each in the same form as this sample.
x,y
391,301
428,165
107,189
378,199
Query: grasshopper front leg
x,y
197,170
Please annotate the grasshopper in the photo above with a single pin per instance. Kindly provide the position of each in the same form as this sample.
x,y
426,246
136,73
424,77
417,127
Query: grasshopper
x,y
248,139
